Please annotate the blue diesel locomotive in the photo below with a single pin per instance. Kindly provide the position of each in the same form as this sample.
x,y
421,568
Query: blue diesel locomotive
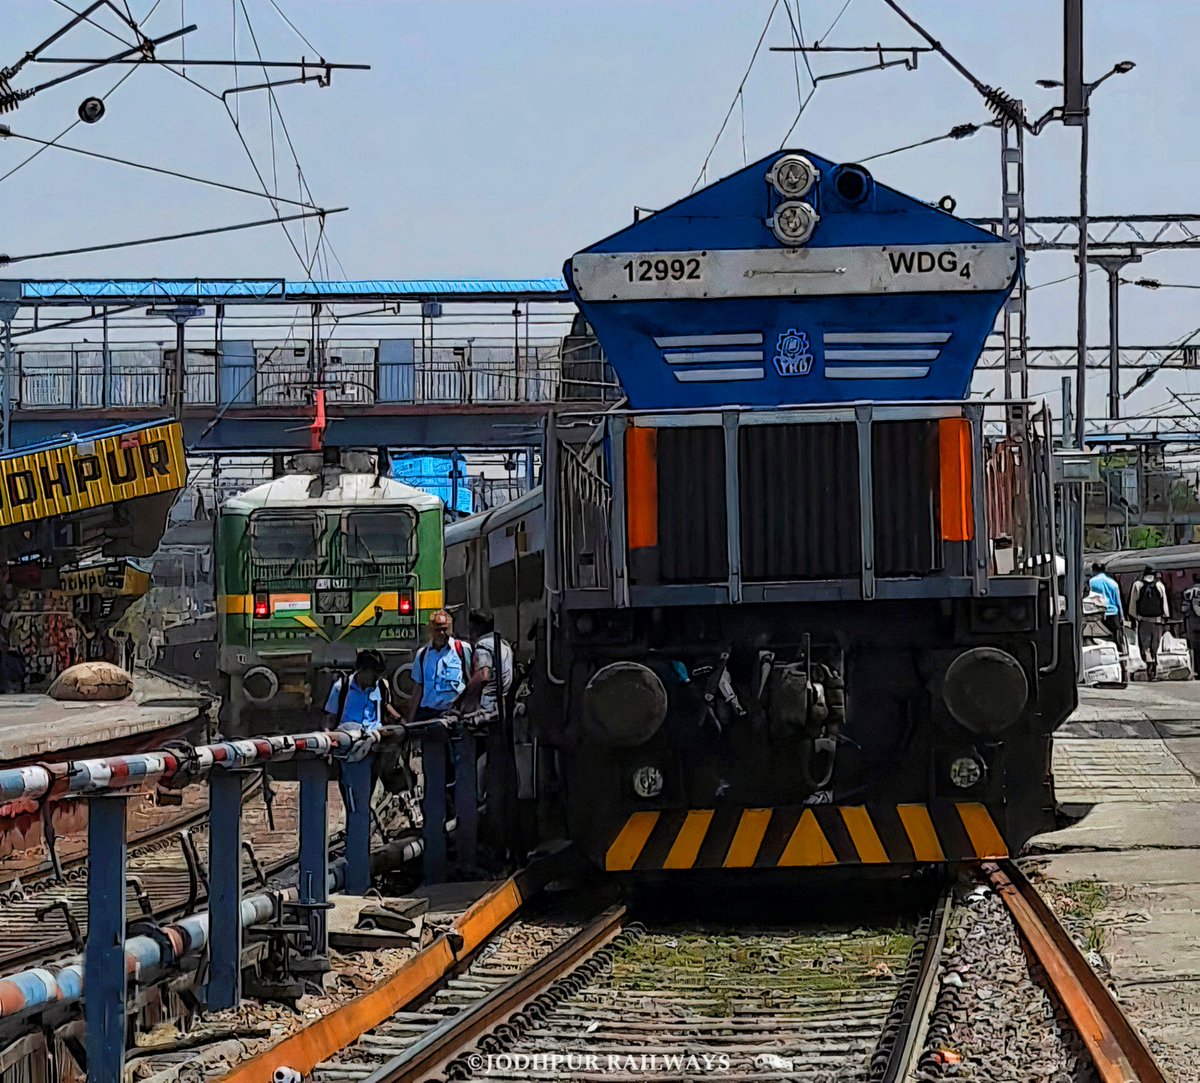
x,y
780,612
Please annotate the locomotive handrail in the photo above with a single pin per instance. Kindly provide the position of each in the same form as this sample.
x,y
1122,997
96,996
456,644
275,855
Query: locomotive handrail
x,y
1053,592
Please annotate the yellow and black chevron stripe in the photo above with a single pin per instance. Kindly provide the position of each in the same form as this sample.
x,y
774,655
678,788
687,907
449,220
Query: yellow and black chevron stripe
x,y
806,836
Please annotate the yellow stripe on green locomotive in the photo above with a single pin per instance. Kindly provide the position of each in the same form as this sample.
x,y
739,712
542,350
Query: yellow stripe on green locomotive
x,y
311,570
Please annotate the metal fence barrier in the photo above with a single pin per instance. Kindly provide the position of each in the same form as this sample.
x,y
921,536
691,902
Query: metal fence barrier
x,y
101,977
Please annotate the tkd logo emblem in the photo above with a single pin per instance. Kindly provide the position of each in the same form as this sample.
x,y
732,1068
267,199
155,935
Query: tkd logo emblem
x,y
793,355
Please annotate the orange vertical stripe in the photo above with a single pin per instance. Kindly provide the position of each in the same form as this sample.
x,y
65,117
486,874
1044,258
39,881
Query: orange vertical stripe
x,y
747,838
981,829
863,834
641,486
921,832
628,845
954,444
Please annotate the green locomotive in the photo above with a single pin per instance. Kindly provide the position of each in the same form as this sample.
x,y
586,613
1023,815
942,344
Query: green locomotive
x,y
311,569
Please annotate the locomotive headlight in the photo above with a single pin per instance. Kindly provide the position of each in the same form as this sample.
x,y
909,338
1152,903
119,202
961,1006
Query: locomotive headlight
x,y
647,782
965,772
793,222
793,176
986,690
623,705
260,684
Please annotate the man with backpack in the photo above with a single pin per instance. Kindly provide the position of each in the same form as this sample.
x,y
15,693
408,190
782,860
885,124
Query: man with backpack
x,y
493,663
362,698
1150,610
440,671
1191,622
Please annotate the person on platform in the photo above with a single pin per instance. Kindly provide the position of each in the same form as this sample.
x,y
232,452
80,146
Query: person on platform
x,y
1114,612
1150,610
440,671
13,672
1191,622
488,646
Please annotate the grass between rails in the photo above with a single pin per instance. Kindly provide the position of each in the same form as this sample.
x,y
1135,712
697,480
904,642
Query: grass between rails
x,y
784,965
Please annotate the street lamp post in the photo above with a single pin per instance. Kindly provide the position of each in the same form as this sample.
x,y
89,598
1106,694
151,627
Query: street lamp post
x,y
1082,255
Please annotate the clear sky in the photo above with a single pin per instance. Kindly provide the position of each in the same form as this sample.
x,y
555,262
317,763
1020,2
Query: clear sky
x,y
495,138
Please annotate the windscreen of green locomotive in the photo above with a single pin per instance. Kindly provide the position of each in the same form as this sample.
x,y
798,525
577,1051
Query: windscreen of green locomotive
x,y
281,539
381,537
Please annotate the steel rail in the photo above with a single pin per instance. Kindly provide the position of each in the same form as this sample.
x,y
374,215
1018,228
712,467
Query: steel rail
x,y
429,1056
909,1042
1117,1049
438,960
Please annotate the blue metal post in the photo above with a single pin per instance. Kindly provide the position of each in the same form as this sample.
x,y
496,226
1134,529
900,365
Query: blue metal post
x,y
466,800
356,789
224,988
433,807
104,954
314,848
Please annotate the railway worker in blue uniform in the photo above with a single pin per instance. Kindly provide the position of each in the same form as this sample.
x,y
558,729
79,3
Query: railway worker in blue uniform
x,y
492,662
1150,610
362,698
1114,612
440,671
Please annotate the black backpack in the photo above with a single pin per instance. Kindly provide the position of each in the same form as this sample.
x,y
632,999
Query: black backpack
x,y
1149,600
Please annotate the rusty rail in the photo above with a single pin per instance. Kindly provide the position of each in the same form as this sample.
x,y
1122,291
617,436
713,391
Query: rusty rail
x,y
1118,1051
428,1057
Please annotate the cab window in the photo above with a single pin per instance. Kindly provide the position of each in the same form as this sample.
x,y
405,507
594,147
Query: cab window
x,y
283,538
380,537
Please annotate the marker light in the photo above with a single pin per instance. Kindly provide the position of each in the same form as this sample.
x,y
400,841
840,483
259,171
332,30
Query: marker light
x,y
261,608
647,781
965,772
793,176
406,604
793,222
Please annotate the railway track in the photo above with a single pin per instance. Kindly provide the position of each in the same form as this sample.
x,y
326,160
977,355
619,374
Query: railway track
x,y
167,868
552,997
563,993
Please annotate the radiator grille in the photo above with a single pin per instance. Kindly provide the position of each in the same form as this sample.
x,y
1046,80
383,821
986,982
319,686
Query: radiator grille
x,y
692,543
904,465
799,501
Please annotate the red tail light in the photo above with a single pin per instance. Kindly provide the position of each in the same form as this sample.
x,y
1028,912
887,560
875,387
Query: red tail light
x,y
406,604
261,608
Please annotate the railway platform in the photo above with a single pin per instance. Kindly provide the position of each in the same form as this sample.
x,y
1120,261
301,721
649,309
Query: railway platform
x,y
1127,871
34,727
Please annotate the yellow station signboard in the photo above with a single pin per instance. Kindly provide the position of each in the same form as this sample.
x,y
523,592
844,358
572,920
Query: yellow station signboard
x,y
89,473
107,580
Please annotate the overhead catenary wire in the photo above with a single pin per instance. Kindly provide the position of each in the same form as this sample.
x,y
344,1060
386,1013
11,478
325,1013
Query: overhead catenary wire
x,y
45,143
833,25
733,104
161,238
959,131
295,29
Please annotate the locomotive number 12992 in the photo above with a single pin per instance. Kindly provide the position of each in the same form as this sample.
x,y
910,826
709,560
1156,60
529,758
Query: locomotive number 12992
x,y
676,269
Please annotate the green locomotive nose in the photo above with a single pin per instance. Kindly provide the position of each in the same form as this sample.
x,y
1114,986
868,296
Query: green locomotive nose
x,y
311,570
